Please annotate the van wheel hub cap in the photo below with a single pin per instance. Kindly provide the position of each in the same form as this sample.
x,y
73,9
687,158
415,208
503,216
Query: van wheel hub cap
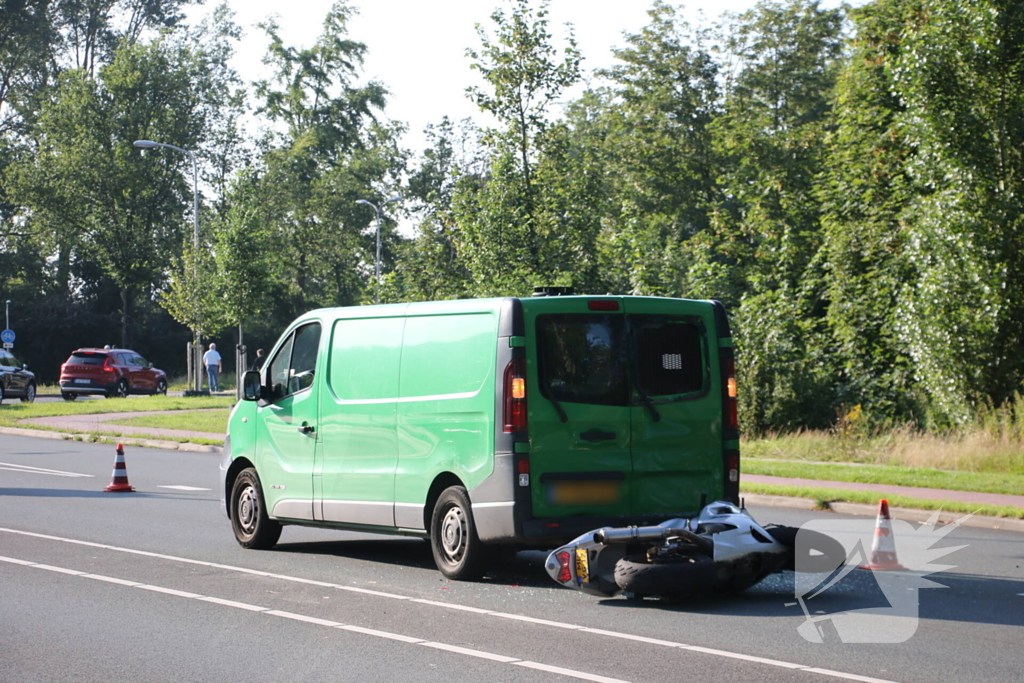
x,y
453,534
246,510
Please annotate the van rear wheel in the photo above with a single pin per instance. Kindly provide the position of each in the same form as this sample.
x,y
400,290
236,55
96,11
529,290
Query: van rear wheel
x,y
458,551
249,520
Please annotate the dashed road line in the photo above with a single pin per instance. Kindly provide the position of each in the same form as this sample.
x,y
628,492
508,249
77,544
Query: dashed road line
x,y
503,615
12,467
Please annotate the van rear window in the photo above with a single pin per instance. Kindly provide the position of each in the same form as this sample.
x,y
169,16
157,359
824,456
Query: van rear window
x,y
601,359
583,358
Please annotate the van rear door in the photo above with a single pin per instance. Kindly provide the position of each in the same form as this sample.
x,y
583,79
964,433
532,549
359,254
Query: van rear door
x,y
579,414
676,422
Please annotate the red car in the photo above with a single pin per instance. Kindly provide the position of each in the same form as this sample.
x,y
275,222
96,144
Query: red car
x,y
111,372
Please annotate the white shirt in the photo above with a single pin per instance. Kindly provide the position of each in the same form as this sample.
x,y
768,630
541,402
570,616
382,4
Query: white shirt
x,y
211,357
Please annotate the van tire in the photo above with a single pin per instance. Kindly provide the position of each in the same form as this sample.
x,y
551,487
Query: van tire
x,y
253,528
458,552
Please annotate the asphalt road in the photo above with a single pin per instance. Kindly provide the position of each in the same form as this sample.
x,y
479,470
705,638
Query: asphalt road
x,y
151,586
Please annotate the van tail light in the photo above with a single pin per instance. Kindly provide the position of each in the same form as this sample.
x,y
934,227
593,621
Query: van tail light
x,y
564,573
732,420
515,396
108,366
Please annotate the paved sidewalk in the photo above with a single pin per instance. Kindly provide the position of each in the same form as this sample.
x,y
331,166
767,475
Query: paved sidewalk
x,y
99,423
970,497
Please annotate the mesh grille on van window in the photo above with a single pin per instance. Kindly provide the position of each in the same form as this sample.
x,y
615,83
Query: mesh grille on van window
x,y
669,355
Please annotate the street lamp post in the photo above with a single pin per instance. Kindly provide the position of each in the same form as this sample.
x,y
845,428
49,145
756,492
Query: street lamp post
x,y
376,213
194,382
7,318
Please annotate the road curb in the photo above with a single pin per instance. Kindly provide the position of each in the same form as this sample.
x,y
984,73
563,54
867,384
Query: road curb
x,y
906,514
103,438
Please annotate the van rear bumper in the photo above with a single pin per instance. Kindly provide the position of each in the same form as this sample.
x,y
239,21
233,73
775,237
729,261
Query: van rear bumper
x,y
495,523
503,513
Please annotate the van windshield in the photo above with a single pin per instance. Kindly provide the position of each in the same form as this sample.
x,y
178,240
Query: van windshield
x,y
596,359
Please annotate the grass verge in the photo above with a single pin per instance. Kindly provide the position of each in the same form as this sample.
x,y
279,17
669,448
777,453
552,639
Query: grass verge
x,y
215,421
826,495
975,451
11,415
985,482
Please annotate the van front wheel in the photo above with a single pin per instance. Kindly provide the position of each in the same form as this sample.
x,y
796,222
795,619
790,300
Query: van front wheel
x,y
249,520
457,549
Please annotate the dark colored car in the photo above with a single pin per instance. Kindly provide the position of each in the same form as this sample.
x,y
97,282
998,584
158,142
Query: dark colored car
x,y
15,379
111,372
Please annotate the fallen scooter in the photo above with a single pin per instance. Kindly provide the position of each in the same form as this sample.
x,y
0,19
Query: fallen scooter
x,y
722,551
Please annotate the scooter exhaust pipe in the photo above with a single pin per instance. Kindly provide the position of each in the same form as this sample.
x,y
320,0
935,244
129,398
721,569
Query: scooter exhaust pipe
x,y
647,534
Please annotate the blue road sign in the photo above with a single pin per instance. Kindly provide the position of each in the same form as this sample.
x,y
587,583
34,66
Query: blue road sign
x,y
7,336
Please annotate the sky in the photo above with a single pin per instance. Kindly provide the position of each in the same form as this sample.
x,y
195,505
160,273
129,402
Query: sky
x,y
417,48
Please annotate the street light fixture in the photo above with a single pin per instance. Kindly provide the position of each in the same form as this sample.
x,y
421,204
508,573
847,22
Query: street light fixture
x,y
149,144
376,212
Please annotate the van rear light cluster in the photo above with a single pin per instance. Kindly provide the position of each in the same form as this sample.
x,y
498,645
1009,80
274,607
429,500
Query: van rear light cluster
x,y
108,366
515,396
732,420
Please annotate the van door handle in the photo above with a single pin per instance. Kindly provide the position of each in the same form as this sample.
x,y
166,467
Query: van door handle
x,y
306,428
597,435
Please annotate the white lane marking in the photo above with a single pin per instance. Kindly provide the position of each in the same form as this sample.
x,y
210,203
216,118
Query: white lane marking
x,y
565,672
736,655
381,634
471,653
40,470
303,617
316,621
849,677
184,488
353,589
232,603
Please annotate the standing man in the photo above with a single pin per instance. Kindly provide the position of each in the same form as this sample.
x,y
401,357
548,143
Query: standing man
x,y
211,359
258,363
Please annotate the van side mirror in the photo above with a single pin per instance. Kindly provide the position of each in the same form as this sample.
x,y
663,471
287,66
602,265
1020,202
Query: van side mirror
x,y
251,386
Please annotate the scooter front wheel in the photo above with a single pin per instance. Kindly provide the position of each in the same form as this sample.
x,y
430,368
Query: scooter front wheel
x,y
668,577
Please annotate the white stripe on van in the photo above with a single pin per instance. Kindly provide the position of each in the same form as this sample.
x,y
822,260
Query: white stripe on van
x,y
403,399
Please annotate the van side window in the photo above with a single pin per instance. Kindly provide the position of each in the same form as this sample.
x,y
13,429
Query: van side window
x,y
669,355
583,358
292,368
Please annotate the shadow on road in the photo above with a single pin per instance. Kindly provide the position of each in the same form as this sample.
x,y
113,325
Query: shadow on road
x,y
523,568
964,598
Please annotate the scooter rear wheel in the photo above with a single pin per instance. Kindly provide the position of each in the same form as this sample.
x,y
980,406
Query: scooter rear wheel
x,y
668,577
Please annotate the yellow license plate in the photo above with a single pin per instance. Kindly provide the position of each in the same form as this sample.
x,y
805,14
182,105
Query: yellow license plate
x,y
598,492
582,567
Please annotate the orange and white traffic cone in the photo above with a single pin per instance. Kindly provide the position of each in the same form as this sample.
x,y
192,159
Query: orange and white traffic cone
x,y
883,549
119,479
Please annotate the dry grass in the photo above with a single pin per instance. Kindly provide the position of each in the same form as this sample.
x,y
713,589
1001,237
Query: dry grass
x,y
975,451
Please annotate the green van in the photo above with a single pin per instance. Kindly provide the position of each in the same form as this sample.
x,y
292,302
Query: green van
x,y
479,423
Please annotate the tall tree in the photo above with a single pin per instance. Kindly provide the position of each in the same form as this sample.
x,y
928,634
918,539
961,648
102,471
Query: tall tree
x,y
88,192
332,152
525,75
